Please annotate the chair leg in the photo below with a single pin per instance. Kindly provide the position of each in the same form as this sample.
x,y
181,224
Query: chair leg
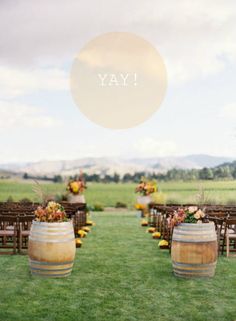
x,y
14,244
227,245
223,245
218,241
20,243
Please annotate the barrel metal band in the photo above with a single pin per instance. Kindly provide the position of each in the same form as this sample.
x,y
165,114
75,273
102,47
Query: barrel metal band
x,y
186,228
185,232
50,275
50,263
51,241
46,227
191,272
194,264
52,224
53,270
176,239
52,233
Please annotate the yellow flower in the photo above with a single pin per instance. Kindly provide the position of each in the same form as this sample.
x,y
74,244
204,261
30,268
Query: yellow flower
x,y
78,242
151,230
82,233
163,243
156,235
199,214
144,223
192,209
86,229
202,214
74,187
140,206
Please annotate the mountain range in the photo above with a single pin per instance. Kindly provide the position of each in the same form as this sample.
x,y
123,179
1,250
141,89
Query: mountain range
x,y
108,165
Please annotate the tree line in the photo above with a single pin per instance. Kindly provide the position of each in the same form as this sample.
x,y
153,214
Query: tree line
x,y
225,171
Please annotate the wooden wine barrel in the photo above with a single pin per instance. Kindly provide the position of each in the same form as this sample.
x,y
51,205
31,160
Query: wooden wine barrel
x,y
51,249
194,250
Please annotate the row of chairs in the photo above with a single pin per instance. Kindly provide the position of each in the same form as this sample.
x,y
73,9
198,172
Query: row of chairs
x,y
226,233
225,223
15,223
14,232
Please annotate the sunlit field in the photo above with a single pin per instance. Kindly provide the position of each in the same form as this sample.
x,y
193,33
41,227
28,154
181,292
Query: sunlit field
x,y
216,192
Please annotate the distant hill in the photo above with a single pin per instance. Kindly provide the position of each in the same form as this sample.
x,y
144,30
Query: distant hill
x,y
106,165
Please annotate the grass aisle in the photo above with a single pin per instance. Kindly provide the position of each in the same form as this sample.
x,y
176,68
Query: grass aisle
x,y
119,275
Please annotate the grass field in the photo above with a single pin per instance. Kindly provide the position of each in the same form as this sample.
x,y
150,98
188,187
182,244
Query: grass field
x,y
119,275
108,194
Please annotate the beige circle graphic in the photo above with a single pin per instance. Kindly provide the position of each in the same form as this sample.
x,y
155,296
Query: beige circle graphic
x,y
118,80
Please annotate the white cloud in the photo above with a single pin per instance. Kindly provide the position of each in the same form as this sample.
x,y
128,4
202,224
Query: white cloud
x,y
196,39
17,82
16,115
228,112
152,147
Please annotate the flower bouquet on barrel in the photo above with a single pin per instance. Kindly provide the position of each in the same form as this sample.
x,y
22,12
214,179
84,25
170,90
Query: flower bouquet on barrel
x,y
145,189
51,242
53,212
191,214
194,245
76,189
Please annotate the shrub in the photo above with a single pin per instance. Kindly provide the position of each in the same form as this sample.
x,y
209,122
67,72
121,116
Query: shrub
x,y
98,207
231,201
60,197
121,205
25,200
159,198
172,201
10,199
213,201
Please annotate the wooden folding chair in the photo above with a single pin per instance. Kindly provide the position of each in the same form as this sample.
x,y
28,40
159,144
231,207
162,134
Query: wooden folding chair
x,y
220,231
24,223
8,233
230,236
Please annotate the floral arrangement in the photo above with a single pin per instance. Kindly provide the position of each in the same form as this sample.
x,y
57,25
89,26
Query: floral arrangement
x,y
146,187
191,214
77,186
140,207
53,212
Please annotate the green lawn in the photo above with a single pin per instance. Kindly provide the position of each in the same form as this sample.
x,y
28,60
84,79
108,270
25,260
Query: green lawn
x,y
108,194
119,275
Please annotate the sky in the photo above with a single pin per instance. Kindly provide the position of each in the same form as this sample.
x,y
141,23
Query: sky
x,y
40,39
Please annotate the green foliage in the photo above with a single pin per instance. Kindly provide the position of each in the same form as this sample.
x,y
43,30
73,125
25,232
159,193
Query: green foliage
x,y
57,179
121,205
10,199
25,200
61,197
97,207
159,198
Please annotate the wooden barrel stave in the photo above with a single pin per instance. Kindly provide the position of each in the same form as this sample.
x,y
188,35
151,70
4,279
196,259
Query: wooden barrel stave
x,y
194,250
51,249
